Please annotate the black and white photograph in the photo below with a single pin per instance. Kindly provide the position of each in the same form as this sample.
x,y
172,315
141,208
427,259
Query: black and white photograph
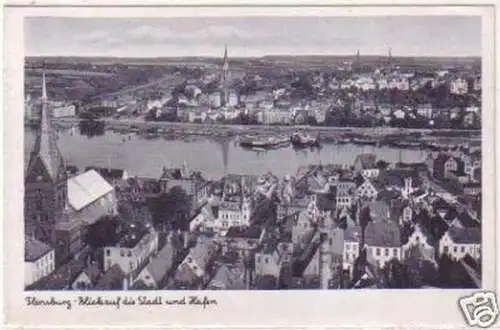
x,y
252,153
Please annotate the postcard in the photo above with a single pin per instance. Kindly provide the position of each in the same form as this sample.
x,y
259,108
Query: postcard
x,y
284,166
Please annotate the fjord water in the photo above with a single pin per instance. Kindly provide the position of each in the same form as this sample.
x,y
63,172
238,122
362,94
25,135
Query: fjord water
x,y
215,157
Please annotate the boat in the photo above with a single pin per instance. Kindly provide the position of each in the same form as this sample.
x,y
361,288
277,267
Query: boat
x,y
264,143
364,141
301,140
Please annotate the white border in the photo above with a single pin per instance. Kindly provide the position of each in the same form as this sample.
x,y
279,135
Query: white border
x,y
356,308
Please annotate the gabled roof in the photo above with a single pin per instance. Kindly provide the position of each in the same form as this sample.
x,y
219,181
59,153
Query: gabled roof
x,y
465,235
367,161
61,278
383,234
34,249
161,263
112,279
86,188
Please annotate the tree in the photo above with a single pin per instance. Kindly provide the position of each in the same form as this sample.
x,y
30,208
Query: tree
x,y
172,209
103,232
445,267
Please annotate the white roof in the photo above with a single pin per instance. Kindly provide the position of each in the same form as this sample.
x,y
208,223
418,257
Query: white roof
x,y
86,188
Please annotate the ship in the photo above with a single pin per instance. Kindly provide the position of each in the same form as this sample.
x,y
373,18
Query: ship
x,y
301,140
264,143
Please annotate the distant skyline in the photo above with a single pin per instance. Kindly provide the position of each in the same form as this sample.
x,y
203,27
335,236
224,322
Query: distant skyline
x,y
253,36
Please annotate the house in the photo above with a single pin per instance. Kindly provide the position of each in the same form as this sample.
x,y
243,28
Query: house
x,y
113,279
226,278
271,257
133,251
365,164
421,239
351,246
191,181
87,278
39,260
443,164
382,239
155,273
406,181
369,189
60,279
199,257
238,241
457,242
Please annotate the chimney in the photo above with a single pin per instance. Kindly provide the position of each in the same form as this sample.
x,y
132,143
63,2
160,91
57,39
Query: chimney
x,y
185,239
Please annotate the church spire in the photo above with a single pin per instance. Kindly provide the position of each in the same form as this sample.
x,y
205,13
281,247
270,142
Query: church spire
x,y
46,158
44,89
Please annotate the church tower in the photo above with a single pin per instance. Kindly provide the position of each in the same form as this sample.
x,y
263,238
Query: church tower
x,y
225,78
45,187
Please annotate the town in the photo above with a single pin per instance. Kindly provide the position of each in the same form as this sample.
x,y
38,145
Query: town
x,y
369,224
356,91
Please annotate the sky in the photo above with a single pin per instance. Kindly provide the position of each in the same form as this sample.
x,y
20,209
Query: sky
x,y
253,36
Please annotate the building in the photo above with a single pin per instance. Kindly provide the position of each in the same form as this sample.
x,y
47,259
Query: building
x,y
365,164
458,242
39,260
155,274
459,86
225,79
133,251
45,187
64,111
199,257
89,199
87,278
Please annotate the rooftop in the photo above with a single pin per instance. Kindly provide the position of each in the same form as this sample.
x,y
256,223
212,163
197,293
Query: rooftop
x,y
86,188
34,249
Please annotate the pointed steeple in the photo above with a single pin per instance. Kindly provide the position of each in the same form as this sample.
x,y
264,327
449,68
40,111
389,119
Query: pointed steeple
x,y
44,89
45,157
225,66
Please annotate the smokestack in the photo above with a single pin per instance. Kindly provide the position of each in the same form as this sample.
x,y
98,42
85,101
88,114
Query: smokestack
x,y
325,260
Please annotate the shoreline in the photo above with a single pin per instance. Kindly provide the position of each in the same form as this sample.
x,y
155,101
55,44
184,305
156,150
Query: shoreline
x,y
134,125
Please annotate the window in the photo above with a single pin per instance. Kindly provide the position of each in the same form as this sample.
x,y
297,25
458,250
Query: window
x,y
386,252
377,251
189,260
108,252
446,249
462,249
347,247
258,259
395,252
131,265
266,260
331,241
129,254
455,249
347,257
